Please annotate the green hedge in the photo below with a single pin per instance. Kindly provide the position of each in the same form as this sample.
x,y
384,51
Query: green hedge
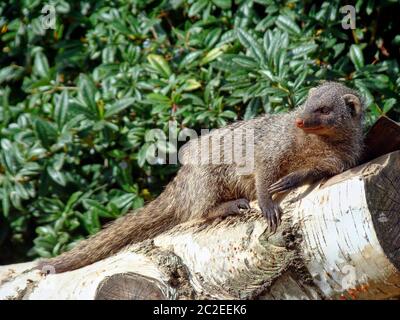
x,y
77,101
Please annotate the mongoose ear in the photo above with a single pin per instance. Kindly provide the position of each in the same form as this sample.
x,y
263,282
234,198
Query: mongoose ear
x,y
353,103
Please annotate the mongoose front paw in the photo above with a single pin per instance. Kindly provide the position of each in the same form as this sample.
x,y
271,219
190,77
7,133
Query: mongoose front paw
x,y
284,184
272,213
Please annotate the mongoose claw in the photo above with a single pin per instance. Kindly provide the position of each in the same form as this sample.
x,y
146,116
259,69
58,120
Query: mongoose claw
x,y
243,204
272,213
282,185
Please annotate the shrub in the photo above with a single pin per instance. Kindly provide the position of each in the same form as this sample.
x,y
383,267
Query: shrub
x,y
76,101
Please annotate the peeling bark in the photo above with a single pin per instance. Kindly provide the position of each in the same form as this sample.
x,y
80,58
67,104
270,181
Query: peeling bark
x,y
339,239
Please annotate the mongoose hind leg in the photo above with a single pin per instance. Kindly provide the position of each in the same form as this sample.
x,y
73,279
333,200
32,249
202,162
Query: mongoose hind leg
x,y
228,208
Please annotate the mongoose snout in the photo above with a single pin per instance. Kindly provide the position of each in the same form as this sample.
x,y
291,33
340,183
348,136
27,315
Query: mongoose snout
x,y
330,112
312,124
299,123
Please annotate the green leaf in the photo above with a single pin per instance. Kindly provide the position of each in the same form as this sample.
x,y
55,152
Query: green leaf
x,y
287,24
61,109
213,54
101,210
212,37
388,105
375,110
196,7
138,202
338,48
73,201
41,65
300,80
45,132
21,191
356,56
124,200
121,27
252,109
223,4
250,43
119,106
91,221
10,73
190,58
142,155
5,200
246,62
157,98
370,6
228,114
396,40
56,175
86,93
159,64
304,49
191,84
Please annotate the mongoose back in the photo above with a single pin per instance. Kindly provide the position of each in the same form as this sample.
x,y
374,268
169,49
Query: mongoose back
x,y
321,138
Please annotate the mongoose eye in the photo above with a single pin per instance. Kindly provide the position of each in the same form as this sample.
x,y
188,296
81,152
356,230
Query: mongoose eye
x,y
324,110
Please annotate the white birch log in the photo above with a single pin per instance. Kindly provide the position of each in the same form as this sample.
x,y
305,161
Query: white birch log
x,y
339,239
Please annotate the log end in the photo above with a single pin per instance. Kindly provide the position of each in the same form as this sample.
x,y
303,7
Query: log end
x,y
128,286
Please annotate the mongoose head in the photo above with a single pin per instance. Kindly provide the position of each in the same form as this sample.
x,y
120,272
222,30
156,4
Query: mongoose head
x,y
330,108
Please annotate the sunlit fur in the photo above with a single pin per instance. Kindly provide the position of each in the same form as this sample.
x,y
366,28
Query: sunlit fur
x,y
280,148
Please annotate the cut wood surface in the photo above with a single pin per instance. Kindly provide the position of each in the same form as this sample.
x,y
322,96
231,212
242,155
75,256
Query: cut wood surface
x,y
339,239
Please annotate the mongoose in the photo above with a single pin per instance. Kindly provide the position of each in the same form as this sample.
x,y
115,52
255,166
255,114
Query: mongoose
x,y
321,138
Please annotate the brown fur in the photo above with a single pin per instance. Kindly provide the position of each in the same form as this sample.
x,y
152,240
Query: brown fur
x,y
285,157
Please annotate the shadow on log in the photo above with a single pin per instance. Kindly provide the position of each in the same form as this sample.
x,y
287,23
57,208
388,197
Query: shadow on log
x,y
339,239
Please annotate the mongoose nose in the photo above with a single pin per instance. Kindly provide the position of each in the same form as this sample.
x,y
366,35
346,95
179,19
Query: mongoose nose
x,y
299,123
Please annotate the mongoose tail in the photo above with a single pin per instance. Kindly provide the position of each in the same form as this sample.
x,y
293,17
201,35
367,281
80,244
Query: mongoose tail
x,y
145,223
